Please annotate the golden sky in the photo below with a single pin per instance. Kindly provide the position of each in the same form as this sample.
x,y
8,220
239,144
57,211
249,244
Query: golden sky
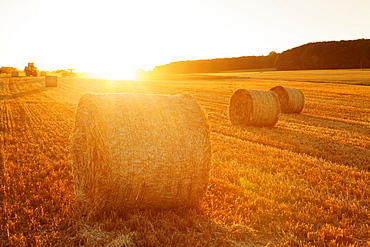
x,y
116,37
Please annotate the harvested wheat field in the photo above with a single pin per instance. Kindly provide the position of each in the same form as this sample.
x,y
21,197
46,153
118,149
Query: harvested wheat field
x,y
302,182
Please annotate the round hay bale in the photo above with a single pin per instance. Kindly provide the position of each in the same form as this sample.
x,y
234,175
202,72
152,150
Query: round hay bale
x,y
140,151
254,108
15,73
291,99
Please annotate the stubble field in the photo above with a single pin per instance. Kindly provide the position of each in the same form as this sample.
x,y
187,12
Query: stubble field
x,y
304,182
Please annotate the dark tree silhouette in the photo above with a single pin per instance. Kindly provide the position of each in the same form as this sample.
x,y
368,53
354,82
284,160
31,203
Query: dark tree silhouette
x,y
218,65
345,54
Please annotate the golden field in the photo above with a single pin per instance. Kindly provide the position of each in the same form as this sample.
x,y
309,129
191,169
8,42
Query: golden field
x,y
304,182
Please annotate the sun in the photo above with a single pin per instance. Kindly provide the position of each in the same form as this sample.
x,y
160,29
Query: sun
x,y
115,74
110,68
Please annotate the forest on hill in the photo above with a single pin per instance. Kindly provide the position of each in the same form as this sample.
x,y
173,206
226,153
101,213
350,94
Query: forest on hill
x,y
349,54
217,65
345,54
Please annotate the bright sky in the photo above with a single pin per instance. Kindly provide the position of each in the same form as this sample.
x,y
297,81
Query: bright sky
x,y
116,37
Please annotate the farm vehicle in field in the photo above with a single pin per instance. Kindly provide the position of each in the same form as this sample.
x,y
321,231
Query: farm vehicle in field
x,y
30,70
68,73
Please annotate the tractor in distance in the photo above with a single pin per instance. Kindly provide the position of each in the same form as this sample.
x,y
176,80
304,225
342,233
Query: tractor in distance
x,y
69,73
30,70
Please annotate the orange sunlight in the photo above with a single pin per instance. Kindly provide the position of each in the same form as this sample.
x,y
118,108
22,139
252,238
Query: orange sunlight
x,y
115,39
114,75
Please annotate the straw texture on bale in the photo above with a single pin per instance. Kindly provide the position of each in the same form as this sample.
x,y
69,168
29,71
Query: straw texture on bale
x,y
15,73
140,151
51,81
254,108
291,99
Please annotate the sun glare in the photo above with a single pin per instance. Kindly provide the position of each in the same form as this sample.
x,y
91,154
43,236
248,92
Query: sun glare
x,y
115,75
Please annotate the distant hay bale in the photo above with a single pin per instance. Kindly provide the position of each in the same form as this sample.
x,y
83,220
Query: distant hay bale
x,y
291,99
51,81
254,108
43,73
15,73
140,151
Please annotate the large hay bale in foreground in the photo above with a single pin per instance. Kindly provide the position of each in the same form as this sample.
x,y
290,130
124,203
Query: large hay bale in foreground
x,y
254,108
140,151
51,81
291,99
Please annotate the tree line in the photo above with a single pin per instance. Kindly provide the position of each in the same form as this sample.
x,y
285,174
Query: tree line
x,y
217,65
345,54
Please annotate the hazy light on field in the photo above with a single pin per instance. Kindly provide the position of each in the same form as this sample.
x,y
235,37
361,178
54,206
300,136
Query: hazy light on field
x,y
118,37
112,75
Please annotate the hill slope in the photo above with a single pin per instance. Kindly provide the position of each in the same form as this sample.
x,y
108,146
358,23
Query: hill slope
x,y
345,54
348,54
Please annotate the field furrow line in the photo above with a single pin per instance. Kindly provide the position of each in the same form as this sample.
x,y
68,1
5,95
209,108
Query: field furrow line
x,y
247,140
301,143
259,158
